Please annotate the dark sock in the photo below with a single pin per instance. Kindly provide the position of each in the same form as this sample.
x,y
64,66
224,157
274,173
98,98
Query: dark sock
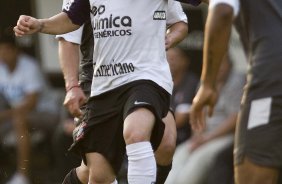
x,y
71,178
162,173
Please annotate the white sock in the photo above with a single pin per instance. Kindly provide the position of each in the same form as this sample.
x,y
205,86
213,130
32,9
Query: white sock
x,y
142,167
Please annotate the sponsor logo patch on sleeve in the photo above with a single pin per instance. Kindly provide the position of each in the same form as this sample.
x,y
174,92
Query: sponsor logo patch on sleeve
x,y
159,15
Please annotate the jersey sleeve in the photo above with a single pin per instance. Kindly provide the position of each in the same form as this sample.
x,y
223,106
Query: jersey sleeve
x,y
175,13
78,11
235,4
73,37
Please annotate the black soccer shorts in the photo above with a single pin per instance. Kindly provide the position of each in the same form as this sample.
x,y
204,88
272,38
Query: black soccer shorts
x,y
102,128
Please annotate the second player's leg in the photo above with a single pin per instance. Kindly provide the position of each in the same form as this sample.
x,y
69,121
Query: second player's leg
x,y
100,170
257,151
250,173
165,151
82,173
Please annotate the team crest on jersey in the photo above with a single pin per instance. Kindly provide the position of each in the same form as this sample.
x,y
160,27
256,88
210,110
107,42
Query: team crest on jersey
x,y
159,15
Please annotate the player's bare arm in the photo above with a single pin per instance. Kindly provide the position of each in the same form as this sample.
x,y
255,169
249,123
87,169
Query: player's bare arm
x,y
217,33
58,24
175,34
69,61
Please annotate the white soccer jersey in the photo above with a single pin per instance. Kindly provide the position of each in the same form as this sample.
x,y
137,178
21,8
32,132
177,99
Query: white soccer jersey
x,y
130,42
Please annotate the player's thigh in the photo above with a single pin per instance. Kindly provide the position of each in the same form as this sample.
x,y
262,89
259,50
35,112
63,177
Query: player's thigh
x,y
138,125
258,133
250,173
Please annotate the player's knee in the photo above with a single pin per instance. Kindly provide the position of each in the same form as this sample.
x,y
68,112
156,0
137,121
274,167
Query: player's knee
x,y
100,175
83,169
132,136
102,178
138,126
83,173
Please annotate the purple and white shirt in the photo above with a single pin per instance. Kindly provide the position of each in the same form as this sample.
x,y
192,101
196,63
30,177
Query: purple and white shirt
x,y
129,40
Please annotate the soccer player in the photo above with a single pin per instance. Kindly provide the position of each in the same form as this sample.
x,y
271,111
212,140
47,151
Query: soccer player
x,y
258,145
131,87
69,58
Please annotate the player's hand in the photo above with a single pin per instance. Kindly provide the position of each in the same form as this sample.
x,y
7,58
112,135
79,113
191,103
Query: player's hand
x,y
74,99
205,99
27,25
